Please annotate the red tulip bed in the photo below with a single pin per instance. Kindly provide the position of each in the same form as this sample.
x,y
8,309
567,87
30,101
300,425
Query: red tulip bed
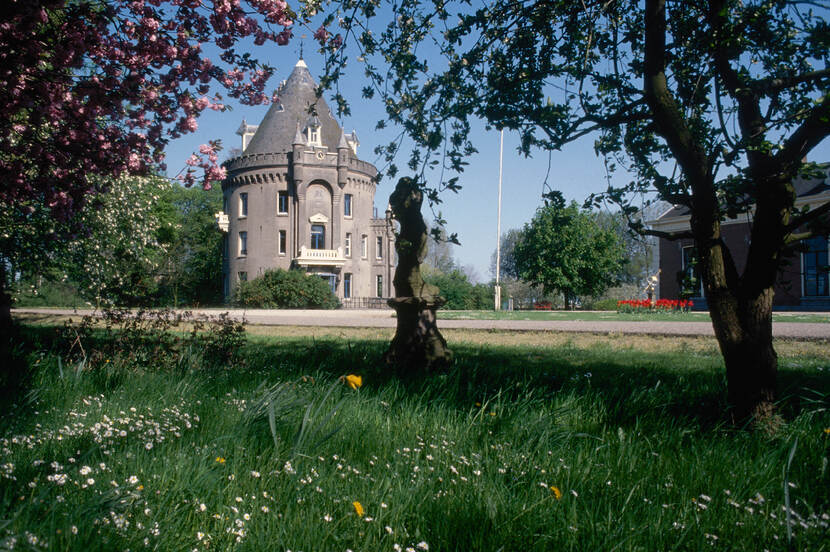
x,y
661,305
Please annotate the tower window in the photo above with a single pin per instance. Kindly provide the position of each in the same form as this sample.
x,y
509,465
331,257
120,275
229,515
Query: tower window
x,y
282,203
243,205
347,205
348,244
243,243
282,242
318,236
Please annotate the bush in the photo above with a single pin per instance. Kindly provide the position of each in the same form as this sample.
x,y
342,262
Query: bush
x,y
459,292
285,289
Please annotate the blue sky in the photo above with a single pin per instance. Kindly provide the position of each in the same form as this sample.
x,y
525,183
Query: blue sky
x,y
472,213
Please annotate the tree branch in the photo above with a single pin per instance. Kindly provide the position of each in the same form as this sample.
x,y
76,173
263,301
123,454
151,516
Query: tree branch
x,y
808,218
776,84
812,131
685,234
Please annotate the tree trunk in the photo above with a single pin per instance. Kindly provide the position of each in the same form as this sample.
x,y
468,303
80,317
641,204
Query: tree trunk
x,y
417,345
5,305
743,328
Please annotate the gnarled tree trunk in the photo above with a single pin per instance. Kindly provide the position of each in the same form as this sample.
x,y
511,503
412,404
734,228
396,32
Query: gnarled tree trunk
x,y
743,328
417,345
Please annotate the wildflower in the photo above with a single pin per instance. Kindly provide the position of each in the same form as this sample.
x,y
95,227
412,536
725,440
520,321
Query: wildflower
x,y
86,470
255,474
354,381
132,480
265,509
557,494
220,459
358,507
827,430
202,507
327,518
422,545
199,535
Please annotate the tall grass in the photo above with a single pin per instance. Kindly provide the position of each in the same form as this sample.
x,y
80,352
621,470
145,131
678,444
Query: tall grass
x,y
544,446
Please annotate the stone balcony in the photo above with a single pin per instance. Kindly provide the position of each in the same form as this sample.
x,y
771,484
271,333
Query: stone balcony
x,y
321,257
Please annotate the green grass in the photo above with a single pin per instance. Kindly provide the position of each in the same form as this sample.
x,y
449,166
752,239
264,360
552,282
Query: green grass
x,y
611,316
272,453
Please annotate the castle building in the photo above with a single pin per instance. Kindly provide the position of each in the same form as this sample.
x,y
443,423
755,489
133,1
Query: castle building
x,y
299,197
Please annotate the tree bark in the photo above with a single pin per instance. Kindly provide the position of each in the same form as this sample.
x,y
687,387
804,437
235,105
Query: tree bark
x,y
418,346
743,328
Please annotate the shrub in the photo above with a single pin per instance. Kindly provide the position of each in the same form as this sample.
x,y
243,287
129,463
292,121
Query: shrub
x,y
285,289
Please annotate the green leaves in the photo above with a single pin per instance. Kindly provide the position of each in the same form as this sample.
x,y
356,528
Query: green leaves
x,y
566,251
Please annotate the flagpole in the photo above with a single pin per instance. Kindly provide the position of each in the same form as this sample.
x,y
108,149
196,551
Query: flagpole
x,y
498,227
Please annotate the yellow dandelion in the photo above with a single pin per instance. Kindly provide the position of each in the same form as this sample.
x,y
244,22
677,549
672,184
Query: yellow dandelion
x,y
358,507
492,413
478,404
354,381
557,494
220,459
827,430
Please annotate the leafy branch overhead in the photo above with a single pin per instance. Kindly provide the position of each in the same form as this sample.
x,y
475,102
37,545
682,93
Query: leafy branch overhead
x,y
742,80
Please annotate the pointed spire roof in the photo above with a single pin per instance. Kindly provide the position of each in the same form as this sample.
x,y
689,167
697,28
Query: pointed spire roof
x,y
279,129
298,136
342,143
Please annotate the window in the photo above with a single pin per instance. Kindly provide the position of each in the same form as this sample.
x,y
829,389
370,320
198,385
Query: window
x,y
348,245
282,203
347,205
243,276
314,136
380,285
379,248
225,204
282,242
364,245
347,285
225,246
318,236
243,205
243,243
814,261
691,285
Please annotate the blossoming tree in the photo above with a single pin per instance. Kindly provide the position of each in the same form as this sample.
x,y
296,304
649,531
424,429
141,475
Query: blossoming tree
x,y
99,88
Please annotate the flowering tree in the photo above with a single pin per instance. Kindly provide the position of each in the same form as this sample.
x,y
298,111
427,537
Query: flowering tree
x,y
98,88
116,261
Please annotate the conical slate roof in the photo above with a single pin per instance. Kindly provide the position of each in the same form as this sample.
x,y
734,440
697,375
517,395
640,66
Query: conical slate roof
x,y
277,131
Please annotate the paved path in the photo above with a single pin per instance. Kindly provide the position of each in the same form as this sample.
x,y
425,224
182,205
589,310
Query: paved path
x,y
381,318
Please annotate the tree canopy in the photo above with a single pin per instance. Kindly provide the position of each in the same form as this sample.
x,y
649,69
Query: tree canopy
x,y
712,105
564,250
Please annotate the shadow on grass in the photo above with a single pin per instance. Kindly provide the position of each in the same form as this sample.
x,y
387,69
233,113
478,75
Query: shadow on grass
x,y
634,387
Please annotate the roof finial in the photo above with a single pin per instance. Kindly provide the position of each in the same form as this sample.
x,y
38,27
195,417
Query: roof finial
x,y
302,39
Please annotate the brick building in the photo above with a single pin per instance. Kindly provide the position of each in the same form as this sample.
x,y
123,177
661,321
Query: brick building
x,y
802,282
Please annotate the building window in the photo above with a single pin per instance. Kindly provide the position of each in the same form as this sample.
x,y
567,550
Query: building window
x,y
225,205
243,243
348,244
225,247
347,205
282,242
243,276
347,285
314,136
691,284
379,248
814,261
318,236
243,205
282,203
380,285
364,245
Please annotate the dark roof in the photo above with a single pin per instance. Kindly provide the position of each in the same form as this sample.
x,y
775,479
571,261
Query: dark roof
x,y
803,188
277,130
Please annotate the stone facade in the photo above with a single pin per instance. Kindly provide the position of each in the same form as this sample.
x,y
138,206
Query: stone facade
x,y
299,197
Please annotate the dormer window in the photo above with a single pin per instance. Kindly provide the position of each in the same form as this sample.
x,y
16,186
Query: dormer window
x,y
313,131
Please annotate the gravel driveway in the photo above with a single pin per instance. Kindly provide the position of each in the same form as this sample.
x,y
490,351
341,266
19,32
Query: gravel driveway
x,y
382,318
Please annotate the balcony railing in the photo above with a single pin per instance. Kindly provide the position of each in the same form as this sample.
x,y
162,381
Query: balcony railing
x,y
321,257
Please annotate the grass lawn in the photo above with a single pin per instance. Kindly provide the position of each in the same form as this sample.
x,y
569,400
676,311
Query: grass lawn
x,y
533,441
614,316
